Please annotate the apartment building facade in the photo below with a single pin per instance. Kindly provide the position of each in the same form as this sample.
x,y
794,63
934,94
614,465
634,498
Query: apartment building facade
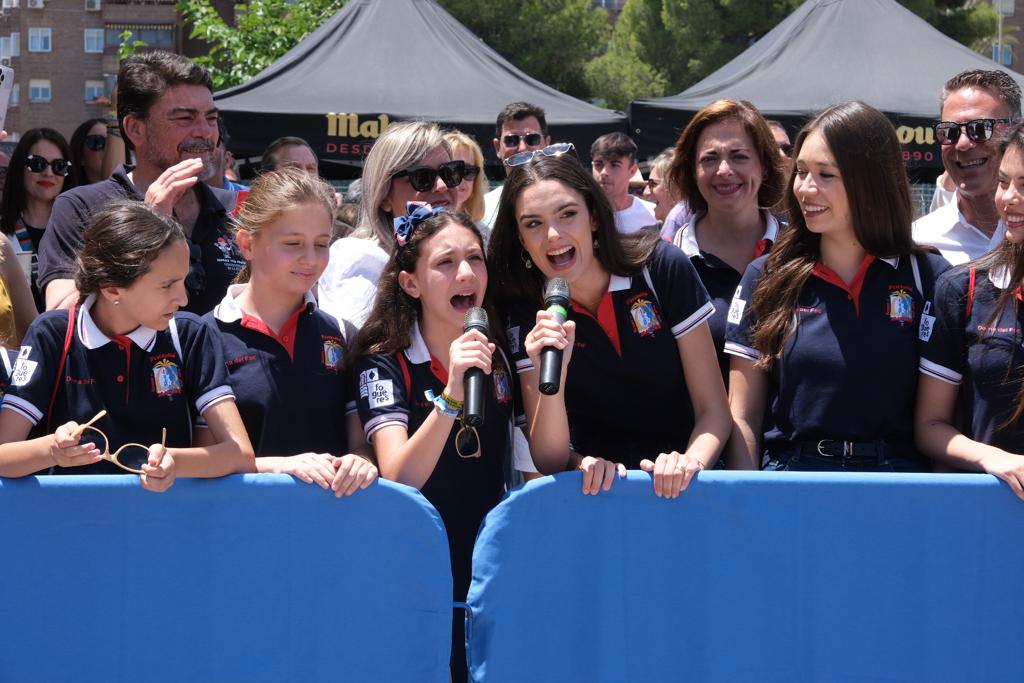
x,y
65,54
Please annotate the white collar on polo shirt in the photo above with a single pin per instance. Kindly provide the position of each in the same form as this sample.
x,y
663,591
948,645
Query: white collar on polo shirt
x,y
227,311
1000,277
91,336
686,238
417,352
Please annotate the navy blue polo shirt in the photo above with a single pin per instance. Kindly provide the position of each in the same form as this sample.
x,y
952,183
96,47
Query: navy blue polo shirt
x,y
219,258
985,357
7,359
849,369
719,278
139,379
463,490
625,392
290,387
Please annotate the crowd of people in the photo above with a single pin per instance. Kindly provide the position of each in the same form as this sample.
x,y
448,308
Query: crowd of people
x,y
756,304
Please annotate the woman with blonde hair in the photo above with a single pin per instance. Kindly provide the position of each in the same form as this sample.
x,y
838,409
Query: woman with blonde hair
x,y
470,192
410,162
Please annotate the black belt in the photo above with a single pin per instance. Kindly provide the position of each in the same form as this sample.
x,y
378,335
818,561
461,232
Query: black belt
x,y
845,451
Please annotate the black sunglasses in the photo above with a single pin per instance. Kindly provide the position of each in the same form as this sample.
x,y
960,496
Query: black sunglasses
x,y
532,139
96,142
423,178
467,442
786,149
978,130
38,164
470,172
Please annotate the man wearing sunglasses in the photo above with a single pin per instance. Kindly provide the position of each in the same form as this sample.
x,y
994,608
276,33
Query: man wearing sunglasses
x,y
977,109
166,115
521,127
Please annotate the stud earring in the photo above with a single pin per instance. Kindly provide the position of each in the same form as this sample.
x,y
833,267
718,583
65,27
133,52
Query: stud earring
x,y
526,259
117,301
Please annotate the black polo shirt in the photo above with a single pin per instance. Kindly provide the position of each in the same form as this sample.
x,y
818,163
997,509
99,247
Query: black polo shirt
x,y
290,388
985,357
463,490
140,379
719,278
849,369
625,392
72,211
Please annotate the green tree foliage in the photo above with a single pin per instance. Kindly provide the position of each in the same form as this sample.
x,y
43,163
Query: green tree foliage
x,y
264,30
974,23
551,40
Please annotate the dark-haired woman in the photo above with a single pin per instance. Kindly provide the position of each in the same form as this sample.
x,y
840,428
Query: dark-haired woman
x,y
88,145
727,166
973,345
126,350
641,386
40,169
285,355
826,324
411,358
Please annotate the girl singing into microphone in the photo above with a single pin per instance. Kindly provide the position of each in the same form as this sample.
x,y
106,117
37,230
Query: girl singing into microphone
x,y
410,360
641,384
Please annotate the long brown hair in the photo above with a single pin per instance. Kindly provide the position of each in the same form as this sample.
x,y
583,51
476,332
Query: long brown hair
x,y
388,329
1006,258
511,283
867,152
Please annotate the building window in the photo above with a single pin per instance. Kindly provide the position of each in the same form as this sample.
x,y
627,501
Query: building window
x,y
160,36
39,90
94,90
39,39
15,96
15,44
94,40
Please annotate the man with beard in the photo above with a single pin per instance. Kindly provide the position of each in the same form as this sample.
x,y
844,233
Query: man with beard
x,y
165,113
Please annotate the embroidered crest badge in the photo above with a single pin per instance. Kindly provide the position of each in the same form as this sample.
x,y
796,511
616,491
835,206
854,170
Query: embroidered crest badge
x,y
644,317
332,354
166,378
901,307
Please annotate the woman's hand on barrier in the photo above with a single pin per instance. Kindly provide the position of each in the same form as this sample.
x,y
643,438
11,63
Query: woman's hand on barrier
x,y
159,472
1010,468
65,451
672,472
312,468
471,350
165,191
598,474
351,473
547,332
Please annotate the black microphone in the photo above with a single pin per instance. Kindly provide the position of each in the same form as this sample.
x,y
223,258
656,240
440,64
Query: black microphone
x,y
475,381
556,300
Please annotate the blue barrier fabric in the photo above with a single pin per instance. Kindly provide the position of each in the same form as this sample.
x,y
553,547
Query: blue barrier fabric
x,y
244,579
752,577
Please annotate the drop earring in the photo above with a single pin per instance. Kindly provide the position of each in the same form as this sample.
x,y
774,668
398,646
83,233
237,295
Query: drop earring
x,y
527,263
596,245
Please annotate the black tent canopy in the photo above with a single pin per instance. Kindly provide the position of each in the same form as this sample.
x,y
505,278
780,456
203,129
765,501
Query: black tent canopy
x,y
379,61
826,52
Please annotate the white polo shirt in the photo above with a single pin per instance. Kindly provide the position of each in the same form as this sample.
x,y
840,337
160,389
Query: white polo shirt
x,y
639,214
957,240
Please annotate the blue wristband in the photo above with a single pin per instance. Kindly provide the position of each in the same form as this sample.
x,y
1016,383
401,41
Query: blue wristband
x,y
440,405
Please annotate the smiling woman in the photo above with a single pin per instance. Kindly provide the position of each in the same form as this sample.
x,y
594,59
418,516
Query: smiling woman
x,y
825,326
